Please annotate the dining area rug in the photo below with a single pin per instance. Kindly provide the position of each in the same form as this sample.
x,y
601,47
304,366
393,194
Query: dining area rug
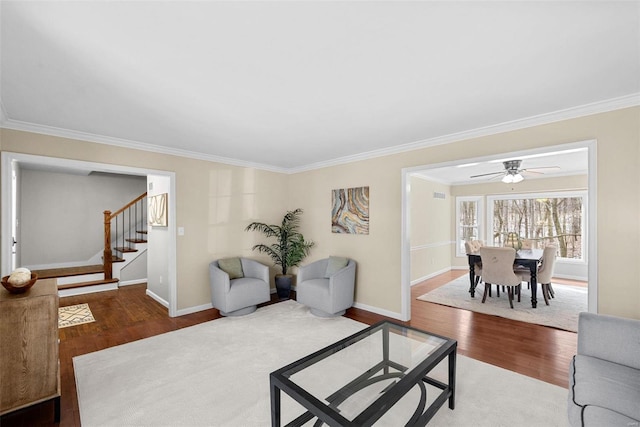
x,y
561,313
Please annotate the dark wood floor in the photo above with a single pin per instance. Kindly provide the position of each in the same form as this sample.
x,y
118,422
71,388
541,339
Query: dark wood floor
x,y
128,314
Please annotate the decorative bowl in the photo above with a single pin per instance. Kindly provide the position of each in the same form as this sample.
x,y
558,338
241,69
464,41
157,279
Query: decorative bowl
x,y
21,288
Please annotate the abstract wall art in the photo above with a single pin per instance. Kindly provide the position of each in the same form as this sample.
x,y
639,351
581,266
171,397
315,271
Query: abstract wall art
x,y
350,210
158,210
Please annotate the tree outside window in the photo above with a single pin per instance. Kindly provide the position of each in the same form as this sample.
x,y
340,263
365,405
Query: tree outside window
x,y
468,223
541,220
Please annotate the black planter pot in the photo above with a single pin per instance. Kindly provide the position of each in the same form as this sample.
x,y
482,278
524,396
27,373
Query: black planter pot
x,y
283,285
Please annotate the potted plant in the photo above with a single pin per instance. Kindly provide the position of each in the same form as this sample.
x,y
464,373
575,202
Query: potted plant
x,y
288,251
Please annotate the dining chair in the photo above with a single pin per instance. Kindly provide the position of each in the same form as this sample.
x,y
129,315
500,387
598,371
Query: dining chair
x,y
471,247
497,269
545,272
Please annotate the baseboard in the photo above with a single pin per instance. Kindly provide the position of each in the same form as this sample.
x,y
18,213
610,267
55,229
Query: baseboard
x,y
195,309
133,282
379,311
87,289
432,275
162,301
570,277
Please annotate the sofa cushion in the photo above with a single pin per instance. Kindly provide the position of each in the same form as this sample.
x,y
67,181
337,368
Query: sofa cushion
x,y
604,384
231,266
336,263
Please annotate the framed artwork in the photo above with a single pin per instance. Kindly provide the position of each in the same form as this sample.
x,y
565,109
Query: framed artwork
x,y
158,210
350,210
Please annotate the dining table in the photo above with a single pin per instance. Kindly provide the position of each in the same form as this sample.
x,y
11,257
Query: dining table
x,y
528,258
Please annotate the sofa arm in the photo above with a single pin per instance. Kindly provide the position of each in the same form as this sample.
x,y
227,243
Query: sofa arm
x,y
610,338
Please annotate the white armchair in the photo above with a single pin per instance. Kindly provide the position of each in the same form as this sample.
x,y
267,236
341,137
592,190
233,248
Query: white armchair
x,y
241,295
327,293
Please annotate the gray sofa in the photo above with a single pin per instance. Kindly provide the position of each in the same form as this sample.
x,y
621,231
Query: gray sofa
x,y
604,375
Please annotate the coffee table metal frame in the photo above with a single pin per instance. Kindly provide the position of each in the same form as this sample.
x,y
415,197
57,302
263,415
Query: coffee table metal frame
x,y
329,413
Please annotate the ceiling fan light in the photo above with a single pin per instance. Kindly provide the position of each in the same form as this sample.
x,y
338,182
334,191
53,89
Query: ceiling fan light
x,y
507,179
517,178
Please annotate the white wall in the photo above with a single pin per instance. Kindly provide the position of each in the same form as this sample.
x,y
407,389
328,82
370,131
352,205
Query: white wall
x,y
61,214
134,272
158,244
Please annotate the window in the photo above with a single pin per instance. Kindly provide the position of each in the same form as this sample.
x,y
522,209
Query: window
x,y
468,219
540,219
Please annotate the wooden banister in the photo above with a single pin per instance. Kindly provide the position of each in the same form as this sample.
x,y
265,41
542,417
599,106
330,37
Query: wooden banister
x,y
128,205
108,218
107,254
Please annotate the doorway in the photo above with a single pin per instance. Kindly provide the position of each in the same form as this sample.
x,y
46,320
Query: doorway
x,y
10,191
591,216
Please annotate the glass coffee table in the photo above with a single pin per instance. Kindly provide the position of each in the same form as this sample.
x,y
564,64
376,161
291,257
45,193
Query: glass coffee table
x,y
358,380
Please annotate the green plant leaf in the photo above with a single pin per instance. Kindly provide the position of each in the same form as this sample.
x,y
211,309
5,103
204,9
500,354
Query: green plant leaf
x,y
291,247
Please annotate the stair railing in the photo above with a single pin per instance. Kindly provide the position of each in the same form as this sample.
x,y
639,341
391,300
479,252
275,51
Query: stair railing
x,y
126,221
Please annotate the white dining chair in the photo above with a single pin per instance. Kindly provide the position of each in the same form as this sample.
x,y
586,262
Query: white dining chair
x,y
545,272
497,269
472,247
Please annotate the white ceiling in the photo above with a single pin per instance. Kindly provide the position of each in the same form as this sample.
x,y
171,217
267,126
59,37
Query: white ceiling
x,y
542,164
297,84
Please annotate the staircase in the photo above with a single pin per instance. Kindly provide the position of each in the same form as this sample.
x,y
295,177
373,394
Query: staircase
x,y
125,233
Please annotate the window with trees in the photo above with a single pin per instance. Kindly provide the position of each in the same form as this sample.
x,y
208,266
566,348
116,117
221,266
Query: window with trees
x,y
468,224
540,219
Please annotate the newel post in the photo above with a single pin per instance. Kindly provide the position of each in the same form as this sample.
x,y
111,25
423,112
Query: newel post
x,y
108,271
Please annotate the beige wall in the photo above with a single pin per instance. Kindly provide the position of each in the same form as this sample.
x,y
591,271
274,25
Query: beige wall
x,y
215,201
378,254
431,221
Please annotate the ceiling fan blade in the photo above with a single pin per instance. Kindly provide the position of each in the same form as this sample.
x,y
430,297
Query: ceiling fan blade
x,y
487,174
542,167
530,172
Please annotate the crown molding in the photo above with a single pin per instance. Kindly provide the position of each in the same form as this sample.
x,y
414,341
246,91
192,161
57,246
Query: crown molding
x,y
135,145
3,113
626,101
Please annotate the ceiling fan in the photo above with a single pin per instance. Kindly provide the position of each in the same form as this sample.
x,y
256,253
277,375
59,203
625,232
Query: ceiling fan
x,y
512,173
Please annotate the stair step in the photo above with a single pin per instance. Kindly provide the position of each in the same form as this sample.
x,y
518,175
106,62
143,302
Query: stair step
x,y
116,259
136,240
141,231
125,249
84,284
50,273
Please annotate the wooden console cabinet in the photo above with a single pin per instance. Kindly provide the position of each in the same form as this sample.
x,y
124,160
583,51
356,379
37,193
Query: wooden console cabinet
x,y
29,365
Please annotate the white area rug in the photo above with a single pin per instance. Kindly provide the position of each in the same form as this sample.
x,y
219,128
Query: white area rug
x,y
217,374
562,311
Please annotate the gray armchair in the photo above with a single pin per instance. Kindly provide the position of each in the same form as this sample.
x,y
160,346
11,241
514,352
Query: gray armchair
x,y
326,295
239,296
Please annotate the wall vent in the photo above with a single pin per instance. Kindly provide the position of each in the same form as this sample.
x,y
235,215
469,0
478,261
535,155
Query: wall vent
x,y
437,195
